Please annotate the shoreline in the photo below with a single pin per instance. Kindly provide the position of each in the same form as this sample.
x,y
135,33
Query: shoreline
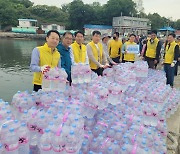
x,y
22,35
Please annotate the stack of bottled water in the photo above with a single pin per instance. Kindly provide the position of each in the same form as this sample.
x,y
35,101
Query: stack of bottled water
x,y
54,79
141,68
80,73
22,101
14,135
102,116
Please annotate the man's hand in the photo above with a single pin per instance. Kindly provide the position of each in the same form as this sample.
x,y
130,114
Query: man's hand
x,y
143,58
106,66
113,63
102,66
173,64
162,63
45,69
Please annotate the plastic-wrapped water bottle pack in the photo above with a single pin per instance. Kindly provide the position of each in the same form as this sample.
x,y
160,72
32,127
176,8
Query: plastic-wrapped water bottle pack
x,y
119,113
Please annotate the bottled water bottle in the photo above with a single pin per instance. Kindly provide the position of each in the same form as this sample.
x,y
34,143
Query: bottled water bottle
x,y
11,142
84,147
23,139
72,143
4,131
45,143
74,73
1,148
24,117
58,144
81,73
87,76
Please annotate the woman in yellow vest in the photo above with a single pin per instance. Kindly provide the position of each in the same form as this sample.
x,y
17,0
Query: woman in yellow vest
x,y
152,50
45,57
96,55
78,49
170,58
129,57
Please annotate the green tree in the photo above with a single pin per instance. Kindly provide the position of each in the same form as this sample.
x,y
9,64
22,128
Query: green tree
x,y
12,10
115,8
49,14
157,21
80,14
8,14
177,24
98,13
25,3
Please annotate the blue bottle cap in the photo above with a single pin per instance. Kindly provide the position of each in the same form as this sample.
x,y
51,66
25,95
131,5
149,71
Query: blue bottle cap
x,y
23,124
4,126
11,129
71,132
47,130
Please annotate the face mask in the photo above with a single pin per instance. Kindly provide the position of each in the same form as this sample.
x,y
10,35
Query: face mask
x,y
114,37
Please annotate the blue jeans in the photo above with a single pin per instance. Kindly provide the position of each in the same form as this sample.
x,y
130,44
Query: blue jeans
x,y
169,74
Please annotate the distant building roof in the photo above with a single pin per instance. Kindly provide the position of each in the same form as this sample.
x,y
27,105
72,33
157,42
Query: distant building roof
x,y
98,26
51,24
131,17
167,29
27,20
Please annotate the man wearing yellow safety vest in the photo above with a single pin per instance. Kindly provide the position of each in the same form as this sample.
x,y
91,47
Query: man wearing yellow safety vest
x,y
178,62
152,50
45,57
170,58
114,47
129,57
97,58
78,49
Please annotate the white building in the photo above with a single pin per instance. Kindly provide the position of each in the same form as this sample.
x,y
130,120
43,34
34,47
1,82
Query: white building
x,y
27,23
127,25
26,26
48,27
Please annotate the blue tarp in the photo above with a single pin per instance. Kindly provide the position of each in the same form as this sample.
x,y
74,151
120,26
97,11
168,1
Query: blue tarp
x,y
167,29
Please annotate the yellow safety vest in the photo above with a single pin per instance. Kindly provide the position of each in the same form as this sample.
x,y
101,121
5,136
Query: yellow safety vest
x,y
169,53
129,56
79,53
151,48
114,48
46,57
178,44
97,53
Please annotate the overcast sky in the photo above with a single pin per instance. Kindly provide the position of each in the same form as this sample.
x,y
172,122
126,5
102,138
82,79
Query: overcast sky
x,y
163,7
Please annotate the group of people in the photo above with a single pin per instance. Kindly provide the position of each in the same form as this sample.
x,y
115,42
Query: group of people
x,y
151,52
100,53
